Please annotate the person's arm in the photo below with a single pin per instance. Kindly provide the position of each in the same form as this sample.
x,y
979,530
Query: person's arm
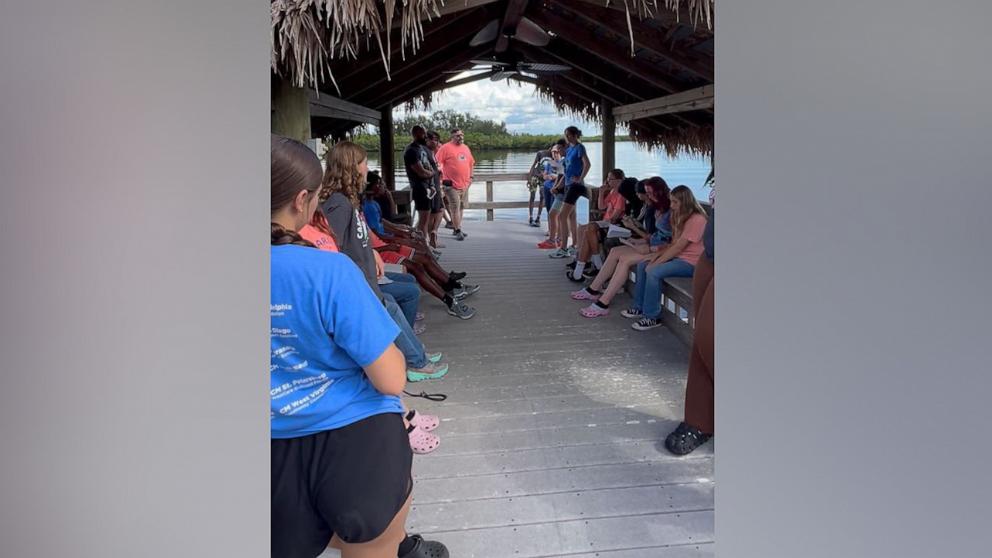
x,y
380,266
392,203
673,250
388,372
419,169
604,192
586,165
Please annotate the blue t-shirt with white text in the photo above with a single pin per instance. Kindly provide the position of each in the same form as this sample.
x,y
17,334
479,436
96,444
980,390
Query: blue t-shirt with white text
x,y
573,162
326,326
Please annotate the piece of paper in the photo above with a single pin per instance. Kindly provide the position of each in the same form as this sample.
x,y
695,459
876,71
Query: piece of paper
x,y
393,268
617,232
384,280
603,224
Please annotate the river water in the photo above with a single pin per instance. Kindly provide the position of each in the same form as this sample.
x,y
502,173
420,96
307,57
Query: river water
x,y
634,161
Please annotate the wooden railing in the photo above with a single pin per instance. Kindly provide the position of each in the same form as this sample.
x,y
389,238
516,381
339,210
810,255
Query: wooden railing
x,y
489,205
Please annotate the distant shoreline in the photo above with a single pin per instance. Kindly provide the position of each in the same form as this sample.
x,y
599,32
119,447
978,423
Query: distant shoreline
x,y
527,144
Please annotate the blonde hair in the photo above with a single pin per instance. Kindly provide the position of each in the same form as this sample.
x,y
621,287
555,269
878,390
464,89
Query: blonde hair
x,y
342,174
688,206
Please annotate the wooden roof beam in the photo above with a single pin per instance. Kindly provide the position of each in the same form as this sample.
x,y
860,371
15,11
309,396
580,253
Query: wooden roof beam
x,y
693,99
663,15
606,77
647,39
375,74
349,68
328,106
508,27
400,90
585,40
590,93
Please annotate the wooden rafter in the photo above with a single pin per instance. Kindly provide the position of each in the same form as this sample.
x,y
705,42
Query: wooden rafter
x,y
581,38
349,68
649,39
432,68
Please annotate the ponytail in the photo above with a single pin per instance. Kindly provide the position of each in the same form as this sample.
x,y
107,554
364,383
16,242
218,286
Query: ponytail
x,y
282,236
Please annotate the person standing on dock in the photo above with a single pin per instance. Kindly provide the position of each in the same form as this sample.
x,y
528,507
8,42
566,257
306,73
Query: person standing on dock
x,y
577,166
421,170
458,166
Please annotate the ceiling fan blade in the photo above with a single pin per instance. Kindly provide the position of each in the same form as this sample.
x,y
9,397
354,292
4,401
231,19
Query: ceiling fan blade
x,y
488,63
502,75
531,33
530,75
487,34
537,67
476,69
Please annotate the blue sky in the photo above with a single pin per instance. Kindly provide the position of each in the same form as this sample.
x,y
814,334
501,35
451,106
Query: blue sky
x,y
515,103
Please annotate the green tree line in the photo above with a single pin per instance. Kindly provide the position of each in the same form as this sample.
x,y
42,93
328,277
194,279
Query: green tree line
x,y
479,133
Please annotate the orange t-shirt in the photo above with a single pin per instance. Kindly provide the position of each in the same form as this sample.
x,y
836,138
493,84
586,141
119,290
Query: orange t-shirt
x,y
318,238
456,164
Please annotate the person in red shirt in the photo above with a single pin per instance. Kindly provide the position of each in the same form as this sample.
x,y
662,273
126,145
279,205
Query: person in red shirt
x,y
457,168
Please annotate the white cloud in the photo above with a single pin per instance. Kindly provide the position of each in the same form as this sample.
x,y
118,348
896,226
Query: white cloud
x,y
515,103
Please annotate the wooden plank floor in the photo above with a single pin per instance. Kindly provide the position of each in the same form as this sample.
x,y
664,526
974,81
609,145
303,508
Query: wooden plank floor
x,y
551,434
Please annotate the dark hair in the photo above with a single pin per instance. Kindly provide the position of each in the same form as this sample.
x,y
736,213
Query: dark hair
x,y
417,128
628,189
639,187
431,134
561,142
295,167
617,173
574,130
658,185
373,178
455,130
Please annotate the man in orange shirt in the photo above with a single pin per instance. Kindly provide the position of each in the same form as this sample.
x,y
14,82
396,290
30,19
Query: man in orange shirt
x,y
457,165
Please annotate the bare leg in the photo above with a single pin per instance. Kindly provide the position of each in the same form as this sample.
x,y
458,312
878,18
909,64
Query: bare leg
x,y
620,275
424,279
564,229
424,222
530,207
435,225
385,545
553,225
609,266
588,241
573,225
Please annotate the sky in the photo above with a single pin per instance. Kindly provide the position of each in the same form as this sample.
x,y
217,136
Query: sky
x,y
515,103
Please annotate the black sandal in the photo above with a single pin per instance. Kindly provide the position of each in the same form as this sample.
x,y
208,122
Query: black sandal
x,y
684,439
426,549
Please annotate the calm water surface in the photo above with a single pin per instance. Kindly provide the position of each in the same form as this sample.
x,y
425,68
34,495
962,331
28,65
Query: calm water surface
x,y
634,161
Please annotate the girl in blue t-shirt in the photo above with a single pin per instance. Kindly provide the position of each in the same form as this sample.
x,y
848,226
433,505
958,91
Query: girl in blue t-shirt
x,y
341,457
572,182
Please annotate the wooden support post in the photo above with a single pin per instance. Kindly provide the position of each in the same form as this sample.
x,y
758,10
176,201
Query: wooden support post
x,y
387,155
489,198
290,110
609,138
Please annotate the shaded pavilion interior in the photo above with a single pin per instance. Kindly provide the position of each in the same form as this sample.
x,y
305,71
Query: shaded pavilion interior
x,y
649,70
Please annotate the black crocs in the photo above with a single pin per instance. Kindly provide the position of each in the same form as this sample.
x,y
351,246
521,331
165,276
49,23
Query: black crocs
x,y
426,549
684,439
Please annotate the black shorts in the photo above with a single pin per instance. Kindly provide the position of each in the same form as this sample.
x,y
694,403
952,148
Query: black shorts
x,y
437,202
575,191
421,197
350,481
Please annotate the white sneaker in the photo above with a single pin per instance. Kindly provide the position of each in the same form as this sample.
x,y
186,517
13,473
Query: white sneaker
x,y
558,254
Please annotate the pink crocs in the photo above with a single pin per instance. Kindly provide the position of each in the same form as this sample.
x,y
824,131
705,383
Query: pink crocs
x,y
594,311
422,442
584,294
426,423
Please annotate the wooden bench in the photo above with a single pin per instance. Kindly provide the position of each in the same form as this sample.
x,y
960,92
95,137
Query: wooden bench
x,y
676,305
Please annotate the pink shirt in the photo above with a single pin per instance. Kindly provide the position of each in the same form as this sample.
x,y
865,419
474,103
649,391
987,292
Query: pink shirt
x,y
456,164
318,239
693,232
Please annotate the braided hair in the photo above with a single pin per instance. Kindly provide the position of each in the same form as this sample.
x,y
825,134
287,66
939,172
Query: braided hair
x,y
294,168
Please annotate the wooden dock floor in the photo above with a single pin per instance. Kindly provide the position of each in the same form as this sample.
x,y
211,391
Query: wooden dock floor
x,y
551,434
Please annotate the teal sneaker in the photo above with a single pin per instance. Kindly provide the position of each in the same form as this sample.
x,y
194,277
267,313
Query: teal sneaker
x,y
432,371
434,357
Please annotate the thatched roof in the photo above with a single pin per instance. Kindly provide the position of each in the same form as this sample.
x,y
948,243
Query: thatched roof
x,y
387,52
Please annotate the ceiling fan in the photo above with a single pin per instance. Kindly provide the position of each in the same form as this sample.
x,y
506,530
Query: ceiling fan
x,y
525,31
511,65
